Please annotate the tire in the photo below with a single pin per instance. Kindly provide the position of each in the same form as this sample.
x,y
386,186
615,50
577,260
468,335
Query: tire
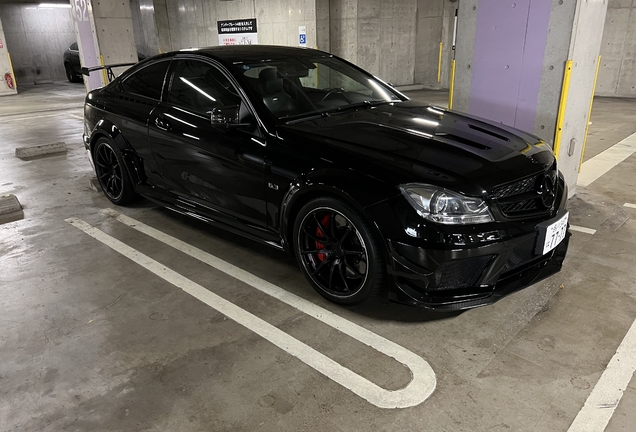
x,y
112,173
70,74
338,251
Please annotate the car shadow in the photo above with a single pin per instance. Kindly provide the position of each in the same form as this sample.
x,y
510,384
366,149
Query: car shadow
x,y
289,276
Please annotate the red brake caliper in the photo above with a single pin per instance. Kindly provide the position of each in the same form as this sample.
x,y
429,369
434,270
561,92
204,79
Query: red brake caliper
x,y
325,222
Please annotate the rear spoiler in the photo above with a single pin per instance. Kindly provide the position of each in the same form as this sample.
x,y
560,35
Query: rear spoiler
x,y
109,69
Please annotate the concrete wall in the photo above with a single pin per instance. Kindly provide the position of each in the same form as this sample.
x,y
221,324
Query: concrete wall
x,y
38,38
143,16
617,75
5,65
377,35
435,21
193,23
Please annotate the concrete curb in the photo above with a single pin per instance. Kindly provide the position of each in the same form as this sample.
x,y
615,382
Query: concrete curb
x,y
27,152
10,209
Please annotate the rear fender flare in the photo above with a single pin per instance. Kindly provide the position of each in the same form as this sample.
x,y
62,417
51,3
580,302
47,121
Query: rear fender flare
x,y
105,128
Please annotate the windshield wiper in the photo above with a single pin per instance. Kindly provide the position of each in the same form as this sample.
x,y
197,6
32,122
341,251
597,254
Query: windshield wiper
x,y
363,104
306,118
336,110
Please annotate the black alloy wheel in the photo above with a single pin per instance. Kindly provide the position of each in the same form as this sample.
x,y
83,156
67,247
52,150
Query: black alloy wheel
x,y
111,173
337,252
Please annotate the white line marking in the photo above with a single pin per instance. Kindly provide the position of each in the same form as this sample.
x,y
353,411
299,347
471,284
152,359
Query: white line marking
x,y
423,379
608,391
629,205
605,161
583,229
77,116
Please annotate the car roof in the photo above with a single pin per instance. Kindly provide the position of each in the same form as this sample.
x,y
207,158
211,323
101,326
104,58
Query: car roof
x,y
248,53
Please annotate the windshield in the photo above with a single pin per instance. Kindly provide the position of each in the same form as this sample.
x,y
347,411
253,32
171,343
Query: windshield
x,y
299,87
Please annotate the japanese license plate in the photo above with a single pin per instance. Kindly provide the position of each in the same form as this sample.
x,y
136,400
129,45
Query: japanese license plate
x,y
552,232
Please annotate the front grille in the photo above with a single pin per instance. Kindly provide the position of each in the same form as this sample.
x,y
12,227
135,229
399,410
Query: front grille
x,y
460,273
526,196
516,188
519,206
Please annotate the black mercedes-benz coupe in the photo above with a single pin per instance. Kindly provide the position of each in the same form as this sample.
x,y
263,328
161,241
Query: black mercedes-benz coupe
x,y
303,151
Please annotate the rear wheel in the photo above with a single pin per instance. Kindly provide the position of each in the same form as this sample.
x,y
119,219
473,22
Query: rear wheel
x,y
338,252
111,173
70,74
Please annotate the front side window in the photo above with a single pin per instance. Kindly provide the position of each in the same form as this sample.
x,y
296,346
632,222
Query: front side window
x,y
200,87
293,88
148,81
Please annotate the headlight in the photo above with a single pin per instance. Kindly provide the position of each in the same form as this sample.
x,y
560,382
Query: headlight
x,y
444,206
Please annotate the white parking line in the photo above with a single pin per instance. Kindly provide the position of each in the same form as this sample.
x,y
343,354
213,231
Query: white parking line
x,y
423,379
28,117
605,161
629,205
583,229
608,391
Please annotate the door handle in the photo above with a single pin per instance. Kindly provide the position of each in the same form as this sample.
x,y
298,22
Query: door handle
x,y
162,124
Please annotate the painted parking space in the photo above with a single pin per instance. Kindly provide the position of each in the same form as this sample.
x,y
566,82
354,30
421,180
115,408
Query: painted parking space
x,y
423,380
600,164
582,229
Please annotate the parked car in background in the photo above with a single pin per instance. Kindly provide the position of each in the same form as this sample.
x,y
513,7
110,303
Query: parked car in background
x,y
72,65
303,151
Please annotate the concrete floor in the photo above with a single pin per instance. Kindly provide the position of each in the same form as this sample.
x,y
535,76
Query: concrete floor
x,y
91,341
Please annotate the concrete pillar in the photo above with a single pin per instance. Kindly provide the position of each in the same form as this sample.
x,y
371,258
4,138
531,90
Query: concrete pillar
x,y
104,34
511,57
8,85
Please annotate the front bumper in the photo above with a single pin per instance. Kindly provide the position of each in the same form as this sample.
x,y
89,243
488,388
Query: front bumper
x,y
493,276
462,267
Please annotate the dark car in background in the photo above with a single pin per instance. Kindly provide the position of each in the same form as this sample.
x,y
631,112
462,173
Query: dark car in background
x,y
303,151
72,65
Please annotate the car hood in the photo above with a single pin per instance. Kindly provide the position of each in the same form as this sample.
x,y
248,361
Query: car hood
x,y
414,142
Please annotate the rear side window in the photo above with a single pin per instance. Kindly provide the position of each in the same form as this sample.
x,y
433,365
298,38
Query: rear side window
x,y
148,81
74,47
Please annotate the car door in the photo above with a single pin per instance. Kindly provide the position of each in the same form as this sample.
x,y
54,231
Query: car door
x,y
74,58
129,105
219,169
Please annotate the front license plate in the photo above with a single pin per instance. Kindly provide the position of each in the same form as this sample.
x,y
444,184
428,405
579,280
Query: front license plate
x,y
552,233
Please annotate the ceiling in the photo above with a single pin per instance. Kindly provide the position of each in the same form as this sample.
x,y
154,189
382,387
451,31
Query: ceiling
x,y
32,1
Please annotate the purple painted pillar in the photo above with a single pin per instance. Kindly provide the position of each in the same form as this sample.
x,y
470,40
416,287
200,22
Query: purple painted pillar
x,y
86,41
509,48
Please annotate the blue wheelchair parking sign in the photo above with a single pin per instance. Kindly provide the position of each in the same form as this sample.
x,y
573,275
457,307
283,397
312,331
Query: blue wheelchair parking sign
x,y
302,38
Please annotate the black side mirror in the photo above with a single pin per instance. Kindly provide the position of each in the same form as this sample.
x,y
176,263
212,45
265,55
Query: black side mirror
x,y
227,116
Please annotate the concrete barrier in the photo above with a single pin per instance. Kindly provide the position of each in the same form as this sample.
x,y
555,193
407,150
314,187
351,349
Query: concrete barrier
x,y
27,152
10,209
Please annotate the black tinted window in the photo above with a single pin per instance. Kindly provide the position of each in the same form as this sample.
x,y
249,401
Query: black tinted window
x,y
200,87
74,47
148,81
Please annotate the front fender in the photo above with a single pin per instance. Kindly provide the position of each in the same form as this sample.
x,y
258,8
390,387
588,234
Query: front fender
x,y
358,190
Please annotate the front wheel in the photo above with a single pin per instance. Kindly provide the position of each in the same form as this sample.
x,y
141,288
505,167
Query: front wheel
x,y
338,252
112,174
